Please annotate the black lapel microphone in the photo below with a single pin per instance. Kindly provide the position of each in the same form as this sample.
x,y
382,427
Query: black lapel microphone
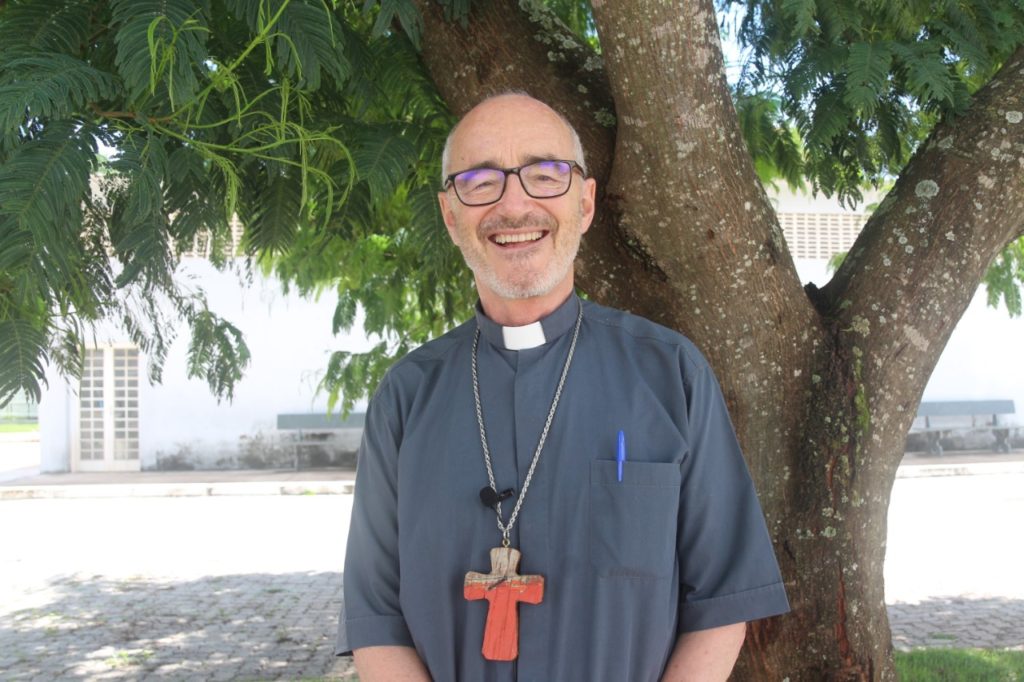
x,y
491,498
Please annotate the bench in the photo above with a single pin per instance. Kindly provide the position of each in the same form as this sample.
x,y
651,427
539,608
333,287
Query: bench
x,y
314,432
939,419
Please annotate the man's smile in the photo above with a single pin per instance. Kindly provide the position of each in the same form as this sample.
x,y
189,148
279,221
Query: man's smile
x,y
508,238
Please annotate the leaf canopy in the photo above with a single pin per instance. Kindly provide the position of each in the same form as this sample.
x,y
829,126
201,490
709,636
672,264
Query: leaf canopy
x,y
314,123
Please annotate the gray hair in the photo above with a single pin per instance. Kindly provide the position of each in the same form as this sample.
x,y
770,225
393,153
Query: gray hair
x,y
577,146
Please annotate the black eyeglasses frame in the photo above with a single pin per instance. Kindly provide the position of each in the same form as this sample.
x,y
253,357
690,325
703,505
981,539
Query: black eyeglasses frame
x,y
449,181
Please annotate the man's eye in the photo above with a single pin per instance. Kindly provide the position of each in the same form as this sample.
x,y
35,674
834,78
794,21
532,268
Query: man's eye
x,y
547,173
480,184
476,182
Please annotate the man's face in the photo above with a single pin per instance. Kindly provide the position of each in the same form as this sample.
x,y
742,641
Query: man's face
x,y
519,247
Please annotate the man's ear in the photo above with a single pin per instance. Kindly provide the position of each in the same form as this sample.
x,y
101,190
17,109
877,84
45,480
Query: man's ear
x,y
447,214
587,203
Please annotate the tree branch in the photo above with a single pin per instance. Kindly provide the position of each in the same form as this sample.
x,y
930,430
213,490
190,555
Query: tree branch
x,y
957,204
690,198
128,115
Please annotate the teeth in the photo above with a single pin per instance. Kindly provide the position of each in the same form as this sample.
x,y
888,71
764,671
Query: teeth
x,y
518,237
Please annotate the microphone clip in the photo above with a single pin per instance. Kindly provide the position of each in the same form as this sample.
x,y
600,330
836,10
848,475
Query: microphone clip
x,y
491,497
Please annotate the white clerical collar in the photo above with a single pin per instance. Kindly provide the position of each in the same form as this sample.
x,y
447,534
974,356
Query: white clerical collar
x,y
547,329
521,338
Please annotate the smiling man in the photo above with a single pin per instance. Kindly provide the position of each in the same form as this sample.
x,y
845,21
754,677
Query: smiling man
x,y
552,491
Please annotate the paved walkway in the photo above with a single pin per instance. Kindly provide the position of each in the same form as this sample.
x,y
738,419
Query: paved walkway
x,y
235,576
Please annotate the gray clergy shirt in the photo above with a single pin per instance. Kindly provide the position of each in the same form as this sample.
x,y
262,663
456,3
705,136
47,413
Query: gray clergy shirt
x,y
679,545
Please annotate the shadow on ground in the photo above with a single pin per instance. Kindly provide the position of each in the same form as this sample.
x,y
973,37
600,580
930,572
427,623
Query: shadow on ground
x,y
233,627
958,622
282,626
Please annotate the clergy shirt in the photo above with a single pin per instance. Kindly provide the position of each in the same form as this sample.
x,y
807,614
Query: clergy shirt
x,y
679,544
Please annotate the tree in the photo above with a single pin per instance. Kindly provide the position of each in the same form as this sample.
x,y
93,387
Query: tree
x,y
322,125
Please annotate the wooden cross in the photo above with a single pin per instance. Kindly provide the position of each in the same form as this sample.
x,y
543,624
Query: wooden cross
x,y
504,589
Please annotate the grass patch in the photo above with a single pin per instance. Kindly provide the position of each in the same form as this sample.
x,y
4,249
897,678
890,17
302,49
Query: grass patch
x,y
960,665
125,659
18,427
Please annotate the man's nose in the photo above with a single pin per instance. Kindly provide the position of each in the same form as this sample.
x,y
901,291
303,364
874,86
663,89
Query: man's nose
x,y
515,195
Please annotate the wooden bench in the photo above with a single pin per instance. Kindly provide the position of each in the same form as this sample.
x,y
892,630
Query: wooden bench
x,y
311,432
939,419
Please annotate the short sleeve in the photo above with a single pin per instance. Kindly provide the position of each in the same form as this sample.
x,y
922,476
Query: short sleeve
x,y
370,612
728,571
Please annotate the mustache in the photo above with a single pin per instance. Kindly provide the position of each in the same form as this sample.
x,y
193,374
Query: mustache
x,y
541,221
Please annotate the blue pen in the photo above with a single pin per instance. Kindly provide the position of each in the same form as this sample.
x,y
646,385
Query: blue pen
x,y
620,455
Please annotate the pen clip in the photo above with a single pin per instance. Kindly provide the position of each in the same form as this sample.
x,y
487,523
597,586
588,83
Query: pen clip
x,y
620,454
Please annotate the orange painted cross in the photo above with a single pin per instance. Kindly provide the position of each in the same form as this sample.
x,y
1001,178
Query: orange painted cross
x,y
503,588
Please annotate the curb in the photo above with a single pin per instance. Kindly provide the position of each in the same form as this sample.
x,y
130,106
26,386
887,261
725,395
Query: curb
x,y
236,489
347,487
971,469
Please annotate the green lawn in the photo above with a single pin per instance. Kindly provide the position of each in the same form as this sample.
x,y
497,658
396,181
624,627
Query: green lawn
x,y
18,427
960,665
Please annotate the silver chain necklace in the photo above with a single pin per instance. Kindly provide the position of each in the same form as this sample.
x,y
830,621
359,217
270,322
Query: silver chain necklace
x,y
506,530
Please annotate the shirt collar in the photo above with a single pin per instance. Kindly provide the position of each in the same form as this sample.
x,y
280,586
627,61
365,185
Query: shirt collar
x,y
549,328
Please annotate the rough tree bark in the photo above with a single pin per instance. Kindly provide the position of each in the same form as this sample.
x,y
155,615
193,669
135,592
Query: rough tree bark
x,y
823,384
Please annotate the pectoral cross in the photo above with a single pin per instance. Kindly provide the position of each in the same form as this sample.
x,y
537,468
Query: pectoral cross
x,y
503,588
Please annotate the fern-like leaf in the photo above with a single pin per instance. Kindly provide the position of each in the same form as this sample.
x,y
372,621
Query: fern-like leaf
x,y
217,353
801,14
16,246
407,14
306,39
48,86
383,157
193,198
318,47
1005,277
47,25
830,116
272,215
927,75
43,183
158,44
867,70
22,354
429,231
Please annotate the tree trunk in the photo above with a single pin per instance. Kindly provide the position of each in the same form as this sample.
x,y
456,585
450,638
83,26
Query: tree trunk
x,y
822,386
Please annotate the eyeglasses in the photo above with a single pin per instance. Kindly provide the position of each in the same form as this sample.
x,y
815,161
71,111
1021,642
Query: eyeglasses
x,y
540,180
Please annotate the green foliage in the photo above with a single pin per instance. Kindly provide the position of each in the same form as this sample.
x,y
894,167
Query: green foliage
x,y
217,353
773,142
52,86
1004,278
390,10
835,261
160,45
308,119
863,81
313,122
840,92
20,358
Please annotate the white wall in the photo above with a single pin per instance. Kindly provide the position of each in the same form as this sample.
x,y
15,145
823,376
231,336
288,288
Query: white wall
x,y
55,424
290,341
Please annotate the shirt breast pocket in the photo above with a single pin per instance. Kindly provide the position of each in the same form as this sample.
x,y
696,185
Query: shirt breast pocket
x,y
633,521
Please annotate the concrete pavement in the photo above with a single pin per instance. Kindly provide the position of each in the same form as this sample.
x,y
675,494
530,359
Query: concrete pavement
x,y
235,587
236,575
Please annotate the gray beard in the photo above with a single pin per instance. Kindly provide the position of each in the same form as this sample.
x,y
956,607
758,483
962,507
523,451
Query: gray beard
x,y
525,285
